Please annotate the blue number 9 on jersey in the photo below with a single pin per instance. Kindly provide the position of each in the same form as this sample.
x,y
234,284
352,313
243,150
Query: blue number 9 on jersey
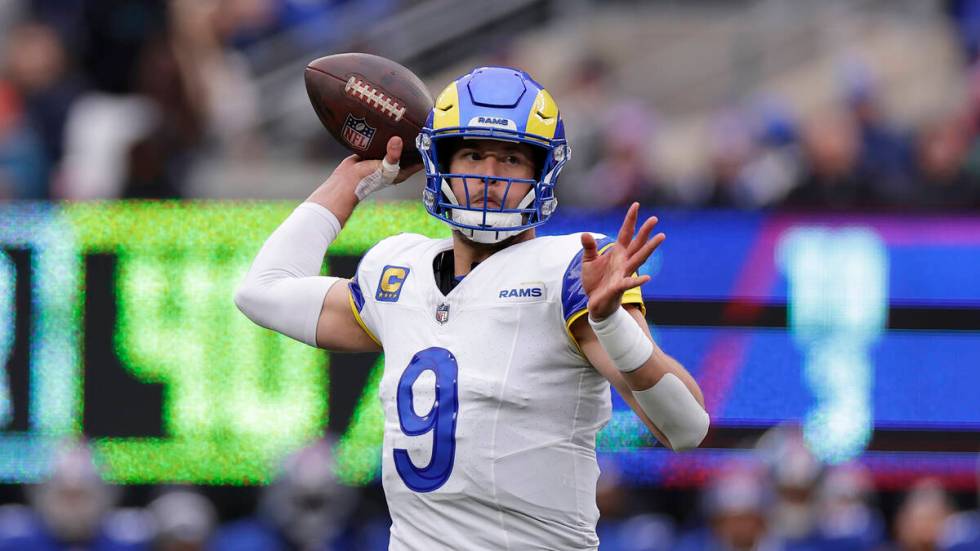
x,y
441,419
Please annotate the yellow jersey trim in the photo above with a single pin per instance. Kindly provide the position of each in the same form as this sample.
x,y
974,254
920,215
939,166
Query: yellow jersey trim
x,y
357,316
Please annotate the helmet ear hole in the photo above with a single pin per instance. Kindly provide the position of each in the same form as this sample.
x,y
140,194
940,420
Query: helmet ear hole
x,y
540,157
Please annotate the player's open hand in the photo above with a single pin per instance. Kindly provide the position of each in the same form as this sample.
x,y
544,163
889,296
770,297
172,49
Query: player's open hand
x,y
606,277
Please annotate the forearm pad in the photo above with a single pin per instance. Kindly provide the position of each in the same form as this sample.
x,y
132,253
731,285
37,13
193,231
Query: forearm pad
x,y
283,290
673,409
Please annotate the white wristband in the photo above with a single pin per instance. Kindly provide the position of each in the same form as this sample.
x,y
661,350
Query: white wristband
x,y
673,409
626,343
283,290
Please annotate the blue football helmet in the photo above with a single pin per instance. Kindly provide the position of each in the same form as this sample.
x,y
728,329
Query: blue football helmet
x,y
493,103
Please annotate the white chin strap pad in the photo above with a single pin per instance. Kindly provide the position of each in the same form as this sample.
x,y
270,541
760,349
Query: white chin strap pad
x,y
494,219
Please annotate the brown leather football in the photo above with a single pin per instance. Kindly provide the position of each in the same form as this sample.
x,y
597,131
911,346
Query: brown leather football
x,y
364,99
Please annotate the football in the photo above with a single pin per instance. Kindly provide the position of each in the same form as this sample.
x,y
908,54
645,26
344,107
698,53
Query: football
x,y
364,100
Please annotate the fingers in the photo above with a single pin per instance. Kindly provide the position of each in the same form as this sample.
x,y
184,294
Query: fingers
x,y
629,226
633,281
589,248
639,257
643,236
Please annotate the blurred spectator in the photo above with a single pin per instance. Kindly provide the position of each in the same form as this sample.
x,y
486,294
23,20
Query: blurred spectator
x,y
115,33
73,509
159,161
965,16
775,166
830,177
920,521
128,136
183,520
729,150
37,67
736,506
944,182
99,133
962,530
753,157
624,525
304,508
795,474
243,22
846,517
625,171
218,80
588,87
884,153
22,160
10,14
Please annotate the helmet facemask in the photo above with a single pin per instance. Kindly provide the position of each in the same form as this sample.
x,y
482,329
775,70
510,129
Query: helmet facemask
x,y
483,222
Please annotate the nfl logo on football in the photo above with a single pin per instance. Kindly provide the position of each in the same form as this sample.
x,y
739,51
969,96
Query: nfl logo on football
x,y
442,313
357,132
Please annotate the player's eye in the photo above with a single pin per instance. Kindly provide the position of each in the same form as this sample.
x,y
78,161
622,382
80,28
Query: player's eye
x,y
513,160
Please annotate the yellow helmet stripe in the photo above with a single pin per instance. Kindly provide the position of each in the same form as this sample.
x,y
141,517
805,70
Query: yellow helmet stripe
x,y
543,120
446,111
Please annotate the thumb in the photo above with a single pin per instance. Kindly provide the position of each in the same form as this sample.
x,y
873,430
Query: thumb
x,y
589,248
389,165
393,151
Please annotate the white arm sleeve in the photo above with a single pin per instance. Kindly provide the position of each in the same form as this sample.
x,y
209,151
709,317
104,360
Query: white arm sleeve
x,y
283,290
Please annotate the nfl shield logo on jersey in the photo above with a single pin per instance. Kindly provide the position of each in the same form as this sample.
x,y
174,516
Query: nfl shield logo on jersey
x,y
442,313
357,133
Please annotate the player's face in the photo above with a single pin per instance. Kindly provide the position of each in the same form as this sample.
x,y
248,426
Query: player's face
x,y
492,158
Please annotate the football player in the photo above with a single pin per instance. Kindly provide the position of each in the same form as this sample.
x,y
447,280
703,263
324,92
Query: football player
x,y
499,345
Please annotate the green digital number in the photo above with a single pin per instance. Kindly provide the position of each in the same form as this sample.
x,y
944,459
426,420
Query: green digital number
x,y
227,379
237,397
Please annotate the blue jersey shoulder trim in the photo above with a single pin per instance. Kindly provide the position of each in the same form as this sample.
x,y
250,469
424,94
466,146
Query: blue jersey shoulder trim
x,y
355,292
573,297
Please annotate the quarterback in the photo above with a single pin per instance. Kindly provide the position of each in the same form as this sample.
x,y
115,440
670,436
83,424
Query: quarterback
x,y
499,346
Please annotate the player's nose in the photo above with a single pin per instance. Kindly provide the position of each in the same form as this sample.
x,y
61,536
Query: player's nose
x,y
489,166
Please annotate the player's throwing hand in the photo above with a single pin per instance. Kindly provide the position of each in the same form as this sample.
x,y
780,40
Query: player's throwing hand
x,y
355,178
606,277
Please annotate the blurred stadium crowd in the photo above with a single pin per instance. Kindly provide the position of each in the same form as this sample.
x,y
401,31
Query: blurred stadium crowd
x,y
104,99
779,499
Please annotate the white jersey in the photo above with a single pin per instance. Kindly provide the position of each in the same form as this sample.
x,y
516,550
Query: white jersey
x,y
491,411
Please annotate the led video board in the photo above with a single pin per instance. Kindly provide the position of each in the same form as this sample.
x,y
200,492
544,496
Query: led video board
x,y
117,321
